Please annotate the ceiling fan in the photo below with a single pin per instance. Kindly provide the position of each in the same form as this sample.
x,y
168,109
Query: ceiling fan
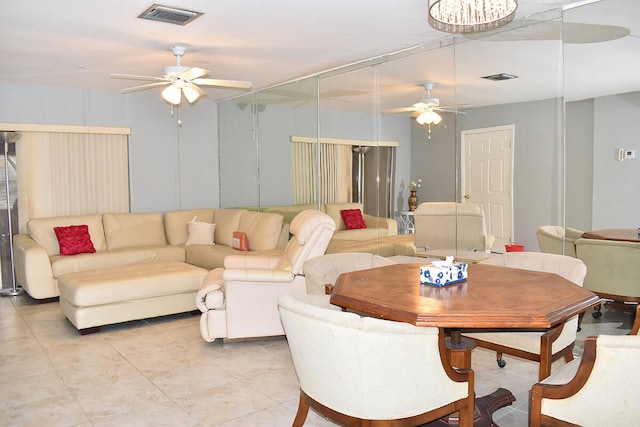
x,y
181,80
425,110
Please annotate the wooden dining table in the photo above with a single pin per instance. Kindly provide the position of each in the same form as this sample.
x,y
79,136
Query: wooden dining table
x,y
617,234
491,297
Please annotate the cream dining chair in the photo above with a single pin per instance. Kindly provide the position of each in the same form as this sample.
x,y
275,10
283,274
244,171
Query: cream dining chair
x,y
554,239
601,388
365,371
542,347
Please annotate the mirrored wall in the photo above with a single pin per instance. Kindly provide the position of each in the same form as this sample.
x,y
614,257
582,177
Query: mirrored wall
x,y
369,108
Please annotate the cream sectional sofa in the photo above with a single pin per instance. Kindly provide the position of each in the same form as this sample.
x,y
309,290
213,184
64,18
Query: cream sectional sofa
x,y
122,239
376,226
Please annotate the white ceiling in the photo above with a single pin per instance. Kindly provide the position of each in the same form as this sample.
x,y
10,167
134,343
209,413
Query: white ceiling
x,y
77,43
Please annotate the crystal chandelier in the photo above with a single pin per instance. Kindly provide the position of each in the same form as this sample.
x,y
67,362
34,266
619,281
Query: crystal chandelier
x,y
468,16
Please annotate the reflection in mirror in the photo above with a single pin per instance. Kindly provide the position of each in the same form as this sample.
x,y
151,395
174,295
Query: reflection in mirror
x,y
353,102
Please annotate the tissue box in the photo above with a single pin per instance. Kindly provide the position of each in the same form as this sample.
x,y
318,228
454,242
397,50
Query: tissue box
x,y
441,274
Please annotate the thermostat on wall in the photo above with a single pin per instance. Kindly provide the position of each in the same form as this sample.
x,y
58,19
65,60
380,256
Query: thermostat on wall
x,y
624,154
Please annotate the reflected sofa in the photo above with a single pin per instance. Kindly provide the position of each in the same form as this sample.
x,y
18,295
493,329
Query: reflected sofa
x,y
376,226
122,239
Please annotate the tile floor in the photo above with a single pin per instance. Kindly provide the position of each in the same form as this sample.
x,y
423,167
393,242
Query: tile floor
x,y
159,372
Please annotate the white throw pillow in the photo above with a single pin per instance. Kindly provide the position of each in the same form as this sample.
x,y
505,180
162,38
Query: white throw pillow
x,y
200,233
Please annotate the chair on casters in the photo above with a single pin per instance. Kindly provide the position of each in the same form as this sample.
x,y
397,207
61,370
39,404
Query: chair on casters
x,y
601,388
239,301
542,347
322,272
365,371
613,271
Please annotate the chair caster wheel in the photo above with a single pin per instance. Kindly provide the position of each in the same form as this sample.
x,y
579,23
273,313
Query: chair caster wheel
x,y
596,314
501,363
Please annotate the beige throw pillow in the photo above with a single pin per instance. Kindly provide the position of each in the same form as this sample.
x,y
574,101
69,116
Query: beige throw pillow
x,y
200,233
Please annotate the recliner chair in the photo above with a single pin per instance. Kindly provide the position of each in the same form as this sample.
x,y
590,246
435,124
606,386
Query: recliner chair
x,y
450,225
240,300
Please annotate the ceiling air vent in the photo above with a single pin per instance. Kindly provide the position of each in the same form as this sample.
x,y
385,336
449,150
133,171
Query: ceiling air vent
x,y
499,77
171,15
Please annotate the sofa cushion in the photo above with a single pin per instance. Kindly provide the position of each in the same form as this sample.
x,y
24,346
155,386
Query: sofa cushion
x,y
227,221
61,265
175,223
126,230
41,230
333,210
262,229
74,239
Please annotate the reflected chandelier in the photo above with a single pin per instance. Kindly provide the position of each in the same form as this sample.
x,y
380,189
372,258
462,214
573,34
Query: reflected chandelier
x,y
468,16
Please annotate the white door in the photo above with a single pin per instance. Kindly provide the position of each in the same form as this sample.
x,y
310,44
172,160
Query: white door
x,y
487,159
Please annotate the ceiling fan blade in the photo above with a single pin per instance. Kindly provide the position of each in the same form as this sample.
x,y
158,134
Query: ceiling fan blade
x,y
144,87
134,77
399,110
194,73
223,83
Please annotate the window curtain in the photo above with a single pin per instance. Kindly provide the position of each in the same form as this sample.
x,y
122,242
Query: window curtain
x,y
334,172
61,173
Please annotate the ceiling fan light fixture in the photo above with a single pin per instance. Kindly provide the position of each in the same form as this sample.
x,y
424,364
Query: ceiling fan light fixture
x,y
469,16
172,94
190,93
429,117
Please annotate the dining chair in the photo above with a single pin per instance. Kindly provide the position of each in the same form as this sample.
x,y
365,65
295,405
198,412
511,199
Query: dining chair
x,y
555,239
613,271
541,347
321,272
600,389
364,371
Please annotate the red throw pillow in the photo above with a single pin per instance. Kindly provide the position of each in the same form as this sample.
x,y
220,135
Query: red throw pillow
x,y
353,219
74,239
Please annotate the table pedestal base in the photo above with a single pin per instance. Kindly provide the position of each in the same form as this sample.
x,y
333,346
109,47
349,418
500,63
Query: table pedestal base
x,y
485,407
460,348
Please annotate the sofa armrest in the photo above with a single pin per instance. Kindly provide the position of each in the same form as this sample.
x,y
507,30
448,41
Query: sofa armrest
x,y
33,268
258,262
388,224
257,275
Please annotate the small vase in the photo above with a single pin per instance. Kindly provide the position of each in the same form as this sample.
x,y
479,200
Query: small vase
x,y
413,201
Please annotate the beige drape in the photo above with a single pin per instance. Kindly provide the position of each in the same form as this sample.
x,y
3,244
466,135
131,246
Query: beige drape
x,y
334,171
62,173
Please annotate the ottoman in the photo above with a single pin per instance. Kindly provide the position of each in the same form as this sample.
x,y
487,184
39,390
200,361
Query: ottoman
x,y
90,299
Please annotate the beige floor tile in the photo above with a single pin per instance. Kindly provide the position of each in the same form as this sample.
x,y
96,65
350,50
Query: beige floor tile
x,y
159,372
57,411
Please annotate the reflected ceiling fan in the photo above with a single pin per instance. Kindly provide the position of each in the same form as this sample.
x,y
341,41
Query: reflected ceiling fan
x,y
425,110
181,80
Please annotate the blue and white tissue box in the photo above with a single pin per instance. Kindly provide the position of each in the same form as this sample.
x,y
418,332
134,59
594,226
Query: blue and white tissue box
x,y
443,273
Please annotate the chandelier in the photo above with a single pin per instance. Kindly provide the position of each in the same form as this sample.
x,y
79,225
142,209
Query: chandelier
x,y
468,16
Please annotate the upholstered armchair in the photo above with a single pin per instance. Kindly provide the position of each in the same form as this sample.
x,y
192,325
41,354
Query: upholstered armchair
x,y
366,371
324,270
240,300
542,347
449,225
613,270
554,239
600,389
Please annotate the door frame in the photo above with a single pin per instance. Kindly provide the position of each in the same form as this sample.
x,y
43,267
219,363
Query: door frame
x,y
463,135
